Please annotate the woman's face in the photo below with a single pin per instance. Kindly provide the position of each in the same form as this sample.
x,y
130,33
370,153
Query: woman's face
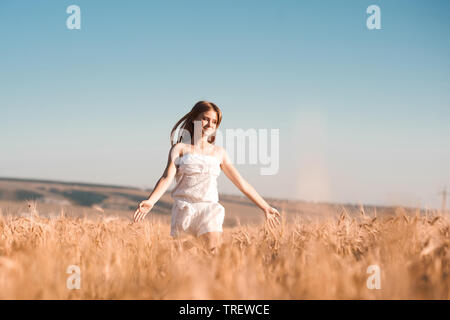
x,y
208,121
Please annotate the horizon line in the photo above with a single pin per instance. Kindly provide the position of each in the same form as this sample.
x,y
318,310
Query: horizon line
x,y
104,185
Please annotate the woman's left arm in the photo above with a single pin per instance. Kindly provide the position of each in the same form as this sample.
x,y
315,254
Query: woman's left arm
x,y
231,172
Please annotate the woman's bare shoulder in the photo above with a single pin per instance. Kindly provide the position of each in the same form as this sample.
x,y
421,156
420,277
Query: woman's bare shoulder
x,y
220,152
177,150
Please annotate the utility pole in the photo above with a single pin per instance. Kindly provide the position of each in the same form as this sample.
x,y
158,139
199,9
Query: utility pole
x,y
444,200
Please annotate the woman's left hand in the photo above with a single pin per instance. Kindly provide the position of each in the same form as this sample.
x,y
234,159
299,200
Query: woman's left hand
x,y
272,216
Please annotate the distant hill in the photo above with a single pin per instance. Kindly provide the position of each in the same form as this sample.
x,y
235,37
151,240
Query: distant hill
x,y
70,193
239,209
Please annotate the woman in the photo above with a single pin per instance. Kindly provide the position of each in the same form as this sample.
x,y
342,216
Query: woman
x,y
196,166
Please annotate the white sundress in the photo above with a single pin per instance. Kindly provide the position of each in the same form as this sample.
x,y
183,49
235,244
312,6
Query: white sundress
x,y
196,209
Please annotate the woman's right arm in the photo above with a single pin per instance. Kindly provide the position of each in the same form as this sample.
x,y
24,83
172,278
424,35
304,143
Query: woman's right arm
x,y
161,186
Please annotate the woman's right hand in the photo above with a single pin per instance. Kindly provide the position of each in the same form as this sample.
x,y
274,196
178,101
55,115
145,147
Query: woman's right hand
x,y
143,209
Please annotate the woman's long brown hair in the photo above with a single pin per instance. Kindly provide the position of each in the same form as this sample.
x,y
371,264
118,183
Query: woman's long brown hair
x,y
187,121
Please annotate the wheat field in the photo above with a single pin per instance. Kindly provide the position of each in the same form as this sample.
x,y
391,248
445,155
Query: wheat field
x,y
304,259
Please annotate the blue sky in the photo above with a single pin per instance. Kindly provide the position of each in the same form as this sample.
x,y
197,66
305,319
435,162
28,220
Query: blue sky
x,y
363,114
